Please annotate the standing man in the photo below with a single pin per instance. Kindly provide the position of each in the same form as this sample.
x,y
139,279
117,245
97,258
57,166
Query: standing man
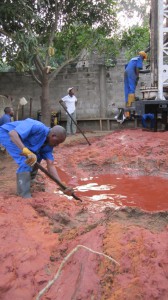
x,y
131,77
8,114
69,102
27,142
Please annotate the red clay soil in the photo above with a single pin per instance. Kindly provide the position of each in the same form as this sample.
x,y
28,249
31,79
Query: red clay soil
x,y
124,252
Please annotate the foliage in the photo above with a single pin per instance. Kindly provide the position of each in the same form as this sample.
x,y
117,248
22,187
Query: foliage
x,y
83,36
135,39
79,24
42,36
67,25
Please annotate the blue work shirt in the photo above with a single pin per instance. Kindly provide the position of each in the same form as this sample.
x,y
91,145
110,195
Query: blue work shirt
x,y
135,62
5,119
33,135
130,75
148,116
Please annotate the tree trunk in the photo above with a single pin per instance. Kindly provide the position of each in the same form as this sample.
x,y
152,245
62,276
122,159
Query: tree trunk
x,y
45,102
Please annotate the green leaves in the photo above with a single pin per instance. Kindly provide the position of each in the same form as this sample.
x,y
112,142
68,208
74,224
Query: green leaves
x,y
135,40
67,25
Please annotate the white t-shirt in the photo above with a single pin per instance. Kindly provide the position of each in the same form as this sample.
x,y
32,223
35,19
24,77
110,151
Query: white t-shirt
x,y
70,103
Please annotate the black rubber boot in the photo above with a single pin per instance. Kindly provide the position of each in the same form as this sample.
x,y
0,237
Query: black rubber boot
x,y
34,172
23,184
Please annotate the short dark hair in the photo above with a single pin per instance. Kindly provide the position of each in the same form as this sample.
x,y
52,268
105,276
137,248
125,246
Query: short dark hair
x,y
7,110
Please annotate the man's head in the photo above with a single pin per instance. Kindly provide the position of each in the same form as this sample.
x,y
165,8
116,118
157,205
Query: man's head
x,y
9,111
57,135
143,55
71,91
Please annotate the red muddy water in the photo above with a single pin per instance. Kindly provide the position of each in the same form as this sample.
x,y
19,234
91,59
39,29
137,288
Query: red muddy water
x,y
147,193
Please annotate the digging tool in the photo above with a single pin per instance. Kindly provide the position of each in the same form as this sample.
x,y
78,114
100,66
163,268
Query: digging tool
x,y
74,121
62,186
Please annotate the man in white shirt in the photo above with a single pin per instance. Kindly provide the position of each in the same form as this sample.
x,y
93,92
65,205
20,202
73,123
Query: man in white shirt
x,y
70,104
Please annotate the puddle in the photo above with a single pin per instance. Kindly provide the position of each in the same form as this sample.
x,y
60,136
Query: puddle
x,y
149,193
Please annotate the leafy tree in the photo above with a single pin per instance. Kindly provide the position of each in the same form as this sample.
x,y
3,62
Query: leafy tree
x,y
135,39
43,36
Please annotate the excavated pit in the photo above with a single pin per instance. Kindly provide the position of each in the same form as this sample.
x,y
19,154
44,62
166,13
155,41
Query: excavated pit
x,y
122,180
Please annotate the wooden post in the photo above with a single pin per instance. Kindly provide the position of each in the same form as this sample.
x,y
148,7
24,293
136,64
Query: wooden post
x,y
30,113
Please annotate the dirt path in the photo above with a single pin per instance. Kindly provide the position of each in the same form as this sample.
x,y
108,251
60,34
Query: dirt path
x,y
38,234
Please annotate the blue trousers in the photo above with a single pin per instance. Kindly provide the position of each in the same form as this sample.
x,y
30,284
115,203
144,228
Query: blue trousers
x,y
129,83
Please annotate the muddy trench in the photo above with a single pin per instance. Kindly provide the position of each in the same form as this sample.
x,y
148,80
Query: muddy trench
x,y
113,245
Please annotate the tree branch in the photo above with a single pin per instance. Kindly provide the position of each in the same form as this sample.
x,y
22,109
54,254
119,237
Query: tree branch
x,y
35,77
54,74
51,282
40,72
53,31
40,66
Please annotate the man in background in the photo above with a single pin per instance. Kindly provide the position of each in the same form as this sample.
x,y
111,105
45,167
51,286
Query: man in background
x,y
69,101
7,117
148,117
131,77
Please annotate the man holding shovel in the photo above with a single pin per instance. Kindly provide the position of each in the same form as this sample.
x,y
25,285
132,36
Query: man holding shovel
x,y
29,141
69,101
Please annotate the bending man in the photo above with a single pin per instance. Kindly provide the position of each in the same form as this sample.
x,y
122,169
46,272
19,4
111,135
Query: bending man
x,y
27,142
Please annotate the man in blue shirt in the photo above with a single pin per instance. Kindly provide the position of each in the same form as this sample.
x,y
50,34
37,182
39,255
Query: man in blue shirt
x,y
8,114
145,118
6,118
27,142
131,77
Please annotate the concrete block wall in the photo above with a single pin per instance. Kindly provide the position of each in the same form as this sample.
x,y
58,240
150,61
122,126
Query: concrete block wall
x,y
99,89
86,84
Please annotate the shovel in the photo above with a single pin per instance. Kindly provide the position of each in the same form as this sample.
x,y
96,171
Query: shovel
x,y
62,186
74,122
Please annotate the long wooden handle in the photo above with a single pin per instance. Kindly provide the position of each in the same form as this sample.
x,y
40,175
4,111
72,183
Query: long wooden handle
x,y
56,180
75,123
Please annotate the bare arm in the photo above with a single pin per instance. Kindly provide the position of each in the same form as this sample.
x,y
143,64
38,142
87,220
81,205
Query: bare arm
x,y
63,103
52,169
16,139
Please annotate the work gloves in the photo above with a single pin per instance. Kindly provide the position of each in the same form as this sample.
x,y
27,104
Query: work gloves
x,y
31,157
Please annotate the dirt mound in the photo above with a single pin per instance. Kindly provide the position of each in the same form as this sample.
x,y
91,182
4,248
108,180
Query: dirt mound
x,y
95,251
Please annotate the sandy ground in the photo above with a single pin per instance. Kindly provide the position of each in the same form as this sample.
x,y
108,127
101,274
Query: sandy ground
x,y
111,246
